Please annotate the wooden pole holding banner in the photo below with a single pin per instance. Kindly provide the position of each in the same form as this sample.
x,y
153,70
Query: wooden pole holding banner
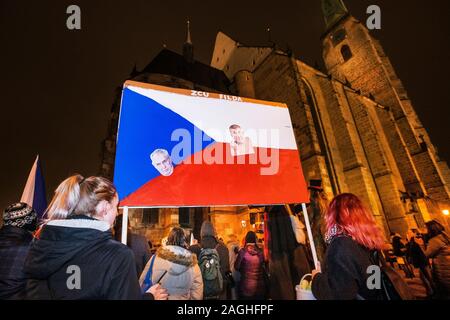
x,y
310,236
308,229
124,225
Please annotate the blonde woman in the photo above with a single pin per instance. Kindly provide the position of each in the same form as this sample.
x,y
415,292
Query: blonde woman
x,y
75,256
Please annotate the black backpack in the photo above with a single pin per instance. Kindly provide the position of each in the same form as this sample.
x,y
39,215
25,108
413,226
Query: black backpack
x,y
209,263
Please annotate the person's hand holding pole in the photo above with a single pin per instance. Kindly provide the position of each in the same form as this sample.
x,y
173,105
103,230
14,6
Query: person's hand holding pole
x,y
317,270
158,292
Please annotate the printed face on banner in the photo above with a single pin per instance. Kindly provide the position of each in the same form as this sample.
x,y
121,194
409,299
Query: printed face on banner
x,y
239,145
162,161
179,147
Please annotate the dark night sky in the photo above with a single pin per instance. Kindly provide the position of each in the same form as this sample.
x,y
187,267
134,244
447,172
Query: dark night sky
x,y
57,86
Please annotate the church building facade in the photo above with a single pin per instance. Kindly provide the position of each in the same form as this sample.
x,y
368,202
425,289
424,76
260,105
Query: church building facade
x,y
355,126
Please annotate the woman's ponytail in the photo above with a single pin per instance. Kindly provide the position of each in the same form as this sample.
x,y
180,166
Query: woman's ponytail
x,y
80,196
66,198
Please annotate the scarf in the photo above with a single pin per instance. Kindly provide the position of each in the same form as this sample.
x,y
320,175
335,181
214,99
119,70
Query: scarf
x,y
333,232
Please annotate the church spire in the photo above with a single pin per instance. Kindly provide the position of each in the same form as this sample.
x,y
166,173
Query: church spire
x,y
188,47
333,11
188,36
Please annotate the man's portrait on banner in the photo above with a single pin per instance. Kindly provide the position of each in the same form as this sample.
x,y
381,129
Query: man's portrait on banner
x,y
162,162
240,145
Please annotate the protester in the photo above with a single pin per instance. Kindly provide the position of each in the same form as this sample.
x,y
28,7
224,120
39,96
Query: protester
x,y
417,258
352,234
210,248
281,244
19,222
260,243
301,261
316,212
75,256
399,249
398,246
232,245
138,244
250,264
438,249
178,268
233,250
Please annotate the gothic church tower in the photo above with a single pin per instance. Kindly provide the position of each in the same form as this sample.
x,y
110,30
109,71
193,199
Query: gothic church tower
x,y
352,56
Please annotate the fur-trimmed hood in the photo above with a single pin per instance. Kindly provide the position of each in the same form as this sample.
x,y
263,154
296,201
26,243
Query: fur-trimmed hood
x,y
176,260
177,255
176,269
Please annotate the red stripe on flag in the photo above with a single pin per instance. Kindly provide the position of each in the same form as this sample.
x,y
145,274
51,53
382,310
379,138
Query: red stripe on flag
x,y
225,184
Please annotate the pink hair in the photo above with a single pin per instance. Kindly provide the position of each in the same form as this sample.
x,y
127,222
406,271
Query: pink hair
x,y
348,213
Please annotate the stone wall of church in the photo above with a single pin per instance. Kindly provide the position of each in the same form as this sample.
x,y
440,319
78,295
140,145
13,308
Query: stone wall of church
x,y
276,80
324,100
356,171
369,71
343,151
356,128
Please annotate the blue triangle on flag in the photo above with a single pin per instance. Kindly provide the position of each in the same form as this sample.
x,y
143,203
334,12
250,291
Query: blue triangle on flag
x,y
40,197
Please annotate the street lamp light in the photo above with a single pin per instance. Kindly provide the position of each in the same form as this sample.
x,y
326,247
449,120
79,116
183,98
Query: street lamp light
x,y
446,213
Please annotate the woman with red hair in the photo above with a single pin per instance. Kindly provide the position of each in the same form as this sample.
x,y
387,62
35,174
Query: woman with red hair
x,y
352,235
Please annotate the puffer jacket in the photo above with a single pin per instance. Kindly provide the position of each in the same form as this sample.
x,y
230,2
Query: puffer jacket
x,y
438,249
183,279
250,264
80,252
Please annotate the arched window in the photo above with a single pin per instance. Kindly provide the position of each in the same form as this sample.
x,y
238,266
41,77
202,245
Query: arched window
x,y
311,102
346,52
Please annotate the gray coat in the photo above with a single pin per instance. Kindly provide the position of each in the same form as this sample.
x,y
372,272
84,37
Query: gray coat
x,y
183,279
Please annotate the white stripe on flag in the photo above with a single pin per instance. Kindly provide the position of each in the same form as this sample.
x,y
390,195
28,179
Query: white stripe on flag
x,y
28,191
214,117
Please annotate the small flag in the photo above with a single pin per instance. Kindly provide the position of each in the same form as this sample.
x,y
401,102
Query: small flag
x,y
34,191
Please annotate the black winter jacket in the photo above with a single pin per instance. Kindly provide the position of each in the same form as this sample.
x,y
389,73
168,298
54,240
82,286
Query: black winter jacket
x,y
416,255
345,274
141,250
14,246
106,267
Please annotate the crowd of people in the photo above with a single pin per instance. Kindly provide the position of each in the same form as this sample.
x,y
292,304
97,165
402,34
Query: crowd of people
x,y
428,252
76,253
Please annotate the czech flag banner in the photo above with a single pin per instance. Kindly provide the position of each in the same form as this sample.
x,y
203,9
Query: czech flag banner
x,y
178,147
34,192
